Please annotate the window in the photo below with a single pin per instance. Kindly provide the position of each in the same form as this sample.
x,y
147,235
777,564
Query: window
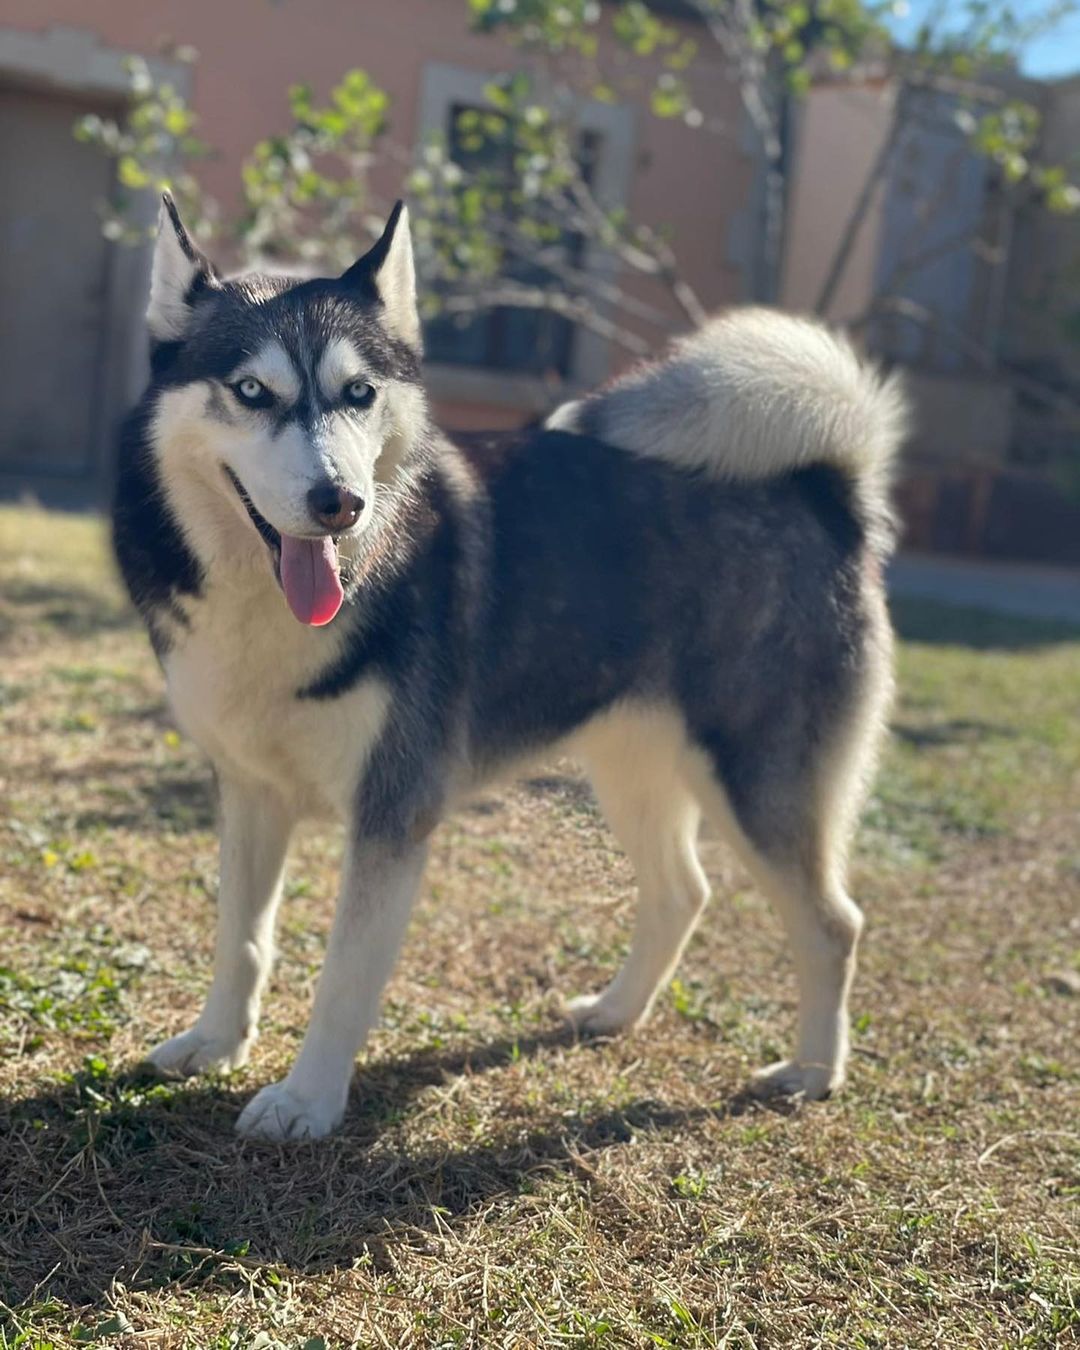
x,y
532,341
508,355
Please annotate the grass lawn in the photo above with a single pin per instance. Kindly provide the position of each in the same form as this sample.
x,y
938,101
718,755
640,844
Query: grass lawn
x,y
498,1184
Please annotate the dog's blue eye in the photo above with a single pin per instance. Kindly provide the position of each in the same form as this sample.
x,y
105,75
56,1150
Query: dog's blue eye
x,y
252,392
360,394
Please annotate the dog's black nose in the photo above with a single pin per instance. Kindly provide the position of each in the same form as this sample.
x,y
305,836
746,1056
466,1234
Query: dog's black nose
x,y
335,508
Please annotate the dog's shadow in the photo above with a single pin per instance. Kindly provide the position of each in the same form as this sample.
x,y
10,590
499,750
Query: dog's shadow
x,y
107,1179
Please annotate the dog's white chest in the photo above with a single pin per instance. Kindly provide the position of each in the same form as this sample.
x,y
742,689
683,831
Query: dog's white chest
x,y
233,680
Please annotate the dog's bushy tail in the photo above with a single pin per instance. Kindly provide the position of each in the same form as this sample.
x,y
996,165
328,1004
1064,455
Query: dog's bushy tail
x,y
754,394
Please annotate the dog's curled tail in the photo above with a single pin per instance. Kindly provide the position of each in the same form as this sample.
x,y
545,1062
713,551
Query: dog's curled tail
x,y
754,394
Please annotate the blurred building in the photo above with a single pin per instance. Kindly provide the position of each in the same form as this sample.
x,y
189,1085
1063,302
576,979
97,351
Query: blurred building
x,y
996,375
972,288
70,341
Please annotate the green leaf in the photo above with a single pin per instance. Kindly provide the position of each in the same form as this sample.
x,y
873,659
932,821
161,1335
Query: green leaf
x,y
117,1325
131,173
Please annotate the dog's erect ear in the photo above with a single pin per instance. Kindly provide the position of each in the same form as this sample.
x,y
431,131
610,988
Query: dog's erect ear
x,y
179,273
386,273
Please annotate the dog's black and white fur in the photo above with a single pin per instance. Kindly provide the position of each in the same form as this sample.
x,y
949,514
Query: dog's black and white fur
x,y
679,578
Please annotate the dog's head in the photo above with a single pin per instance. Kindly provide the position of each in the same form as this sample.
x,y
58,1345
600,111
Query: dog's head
x,y
298,400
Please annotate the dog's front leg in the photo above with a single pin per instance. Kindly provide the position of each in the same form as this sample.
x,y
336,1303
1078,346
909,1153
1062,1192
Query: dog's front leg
x,y
255,829
377,893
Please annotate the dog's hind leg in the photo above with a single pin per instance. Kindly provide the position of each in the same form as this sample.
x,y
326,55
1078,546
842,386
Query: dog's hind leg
x,y
823,925
633,760
255,829
787,802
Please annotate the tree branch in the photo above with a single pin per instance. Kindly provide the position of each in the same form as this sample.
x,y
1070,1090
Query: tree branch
x,y
536,297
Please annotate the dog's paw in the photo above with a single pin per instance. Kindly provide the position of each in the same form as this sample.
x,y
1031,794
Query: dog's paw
x,y
597,1015
789,1078
277,1112
198,1051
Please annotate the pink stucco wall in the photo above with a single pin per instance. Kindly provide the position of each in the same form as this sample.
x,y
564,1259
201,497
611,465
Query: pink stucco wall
x,y
841,130
690,182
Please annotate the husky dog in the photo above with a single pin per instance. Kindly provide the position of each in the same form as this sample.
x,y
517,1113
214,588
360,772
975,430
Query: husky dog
x,y
678,578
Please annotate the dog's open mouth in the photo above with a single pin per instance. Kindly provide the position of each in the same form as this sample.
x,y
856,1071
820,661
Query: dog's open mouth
x,y
307,569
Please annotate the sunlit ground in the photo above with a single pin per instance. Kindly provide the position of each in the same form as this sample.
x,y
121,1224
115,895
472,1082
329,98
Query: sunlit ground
x,y
496,1183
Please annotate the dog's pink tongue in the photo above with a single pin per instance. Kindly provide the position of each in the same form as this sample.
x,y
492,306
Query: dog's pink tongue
x,y
309,578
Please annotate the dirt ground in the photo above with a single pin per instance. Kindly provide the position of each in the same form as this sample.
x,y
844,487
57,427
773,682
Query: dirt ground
x,y
498,1183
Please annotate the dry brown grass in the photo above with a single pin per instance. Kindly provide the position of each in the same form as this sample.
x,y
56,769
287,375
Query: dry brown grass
x,y
498,1184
